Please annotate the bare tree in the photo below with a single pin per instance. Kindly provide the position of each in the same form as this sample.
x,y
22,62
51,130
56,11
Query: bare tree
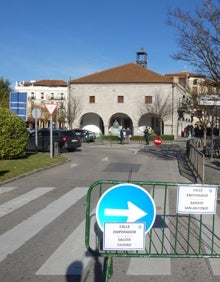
x,y
204,113
160,108
73,110
198,37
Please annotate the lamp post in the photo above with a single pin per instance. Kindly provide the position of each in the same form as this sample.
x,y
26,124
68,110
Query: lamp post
x,y
172,105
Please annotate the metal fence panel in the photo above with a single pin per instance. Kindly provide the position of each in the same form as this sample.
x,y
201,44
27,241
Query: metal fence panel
x,y
173,235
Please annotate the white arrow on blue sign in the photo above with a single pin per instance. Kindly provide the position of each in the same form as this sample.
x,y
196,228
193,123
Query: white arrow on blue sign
x,y
126,203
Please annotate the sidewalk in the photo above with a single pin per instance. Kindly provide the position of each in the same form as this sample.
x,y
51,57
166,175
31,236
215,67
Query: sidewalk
x,y
212,170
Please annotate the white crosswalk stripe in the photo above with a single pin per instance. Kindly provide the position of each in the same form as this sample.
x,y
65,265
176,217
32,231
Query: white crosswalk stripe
x,y
22,200
72,250
6,189
21,233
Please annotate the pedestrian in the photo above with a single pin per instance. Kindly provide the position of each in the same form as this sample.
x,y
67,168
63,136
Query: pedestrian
x,y
146,135
122,135
128,135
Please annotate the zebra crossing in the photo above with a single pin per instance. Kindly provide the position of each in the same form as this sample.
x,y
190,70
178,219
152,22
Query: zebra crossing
x,y
68,252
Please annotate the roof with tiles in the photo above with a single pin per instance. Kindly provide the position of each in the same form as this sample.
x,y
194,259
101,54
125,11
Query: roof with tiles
x,y
128,73
183,74
47,82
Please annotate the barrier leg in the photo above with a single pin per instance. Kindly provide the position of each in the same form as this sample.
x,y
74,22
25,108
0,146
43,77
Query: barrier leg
x,y
108,268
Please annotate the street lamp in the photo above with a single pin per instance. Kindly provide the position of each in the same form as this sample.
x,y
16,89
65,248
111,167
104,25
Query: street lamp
x,y
173,85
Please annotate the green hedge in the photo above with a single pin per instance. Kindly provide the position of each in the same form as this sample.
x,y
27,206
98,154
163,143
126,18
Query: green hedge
x,y
137,138
13,135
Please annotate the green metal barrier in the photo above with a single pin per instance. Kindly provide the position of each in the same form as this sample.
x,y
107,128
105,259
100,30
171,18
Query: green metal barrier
x,y
173,235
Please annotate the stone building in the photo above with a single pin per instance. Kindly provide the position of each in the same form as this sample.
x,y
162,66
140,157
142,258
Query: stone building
x,y
132,95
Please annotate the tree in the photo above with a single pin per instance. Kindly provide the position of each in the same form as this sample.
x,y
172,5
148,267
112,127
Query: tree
x,y
160,108
73,110
198,38
4,92
13,135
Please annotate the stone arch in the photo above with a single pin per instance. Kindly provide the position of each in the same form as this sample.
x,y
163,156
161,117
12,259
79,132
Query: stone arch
x,y
92,119
123,121
154,121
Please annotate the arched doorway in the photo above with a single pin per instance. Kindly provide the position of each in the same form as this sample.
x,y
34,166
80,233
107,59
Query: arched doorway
x,y
153,121
123,121
92,119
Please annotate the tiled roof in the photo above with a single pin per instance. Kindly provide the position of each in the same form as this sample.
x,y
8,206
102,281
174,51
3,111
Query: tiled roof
x,y
183,74
47,82
128,73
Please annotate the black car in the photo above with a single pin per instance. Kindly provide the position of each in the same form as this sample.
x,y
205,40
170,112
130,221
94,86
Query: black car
x,y
67,139
80,133
85,135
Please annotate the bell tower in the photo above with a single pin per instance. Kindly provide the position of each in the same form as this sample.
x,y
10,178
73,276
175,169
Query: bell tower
x,y
141,58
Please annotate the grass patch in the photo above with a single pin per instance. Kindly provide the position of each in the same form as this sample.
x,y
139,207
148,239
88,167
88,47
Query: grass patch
x,y
14,168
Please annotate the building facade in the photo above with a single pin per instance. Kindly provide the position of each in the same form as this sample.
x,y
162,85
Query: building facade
x,y
45,91
131,95
127,96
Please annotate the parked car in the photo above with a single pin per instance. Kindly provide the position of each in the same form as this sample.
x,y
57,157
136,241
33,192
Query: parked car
x,y
30,130
81,133
90,136
85,135
67,139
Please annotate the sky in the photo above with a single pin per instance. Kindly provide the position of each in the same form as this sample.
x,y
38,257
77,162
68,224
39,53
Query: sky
x,y
68,39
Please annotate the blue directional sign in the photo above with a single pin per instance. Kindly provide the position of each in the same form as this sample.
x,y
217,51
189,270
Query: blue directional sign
x,y
126,203
18,104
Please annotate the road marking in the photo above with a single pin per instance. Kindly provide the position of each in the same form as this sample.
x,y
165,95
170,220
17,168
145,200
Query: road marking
x,y
72,257
152,266
21,233
22,200
6,189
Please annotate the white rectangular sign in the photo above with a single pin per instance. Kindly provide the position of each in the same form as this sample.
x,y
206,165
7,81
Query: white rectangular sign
x,y
197,199
209,103
124,236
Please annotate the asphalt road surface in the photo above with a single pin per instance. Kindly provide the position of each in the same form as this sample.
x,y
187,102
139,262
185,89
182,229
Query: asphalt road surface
x,y
42,218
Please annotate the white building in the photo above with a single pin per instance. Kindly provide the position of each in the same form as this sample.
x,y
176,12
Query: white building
x,y
132,95
44,91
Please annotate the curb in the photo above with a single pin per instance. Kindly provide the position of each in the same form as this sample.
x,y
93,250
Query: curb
x,y
31,172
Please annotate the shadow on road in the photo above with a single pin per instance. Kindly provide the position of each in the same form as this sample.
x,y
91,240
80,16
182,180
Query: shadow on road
x,y
171,152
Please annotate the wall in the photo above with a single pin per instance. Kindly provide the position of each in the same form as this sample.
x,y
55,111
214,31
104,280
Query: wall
x,y
106,103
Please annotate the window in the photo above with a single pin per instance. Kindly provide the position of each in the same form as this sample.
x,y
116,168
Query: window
x,y
32,96
194,81
194,90
61,96
182,81
52,96
42,96
120,99
92,99
148,99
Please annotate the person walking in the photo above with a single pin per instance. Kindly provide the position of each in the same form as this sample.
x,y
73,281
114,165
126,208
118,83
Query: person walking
x,y
122,135
146,136
127,135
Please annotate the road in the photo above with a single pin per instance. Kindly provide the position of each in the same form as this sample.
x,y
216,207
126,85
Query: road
x,y
43,220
